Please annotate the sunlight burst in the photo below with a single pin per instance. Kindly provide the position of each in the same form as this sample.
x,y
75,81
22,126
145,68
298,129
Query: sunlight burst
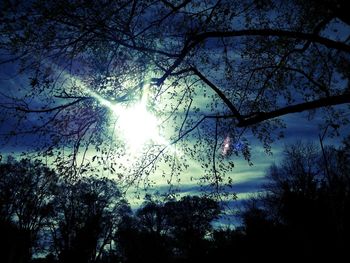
x,y
137,125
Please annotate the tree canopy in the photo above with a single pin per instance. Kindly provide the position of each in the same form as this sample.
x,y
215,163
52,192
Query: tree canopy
x,y
302,212
304,207
212,72
42,213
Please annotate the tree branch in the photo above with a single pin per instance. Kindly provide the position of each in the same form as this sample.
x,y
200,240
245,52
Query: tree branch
x,y
51,109
323,102
196,39
277,33
219,93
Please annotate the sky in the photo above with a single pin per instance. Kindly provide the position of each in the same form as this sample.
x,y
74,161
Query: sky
x,y
247,179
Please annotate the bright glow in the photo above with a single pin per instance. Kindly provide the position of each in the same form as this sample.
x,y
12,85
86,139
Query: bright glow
x,y
138,126
135,124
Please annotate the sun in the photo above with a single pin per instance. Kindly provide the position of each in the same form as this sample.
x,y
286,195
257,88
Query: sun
x,y
137,125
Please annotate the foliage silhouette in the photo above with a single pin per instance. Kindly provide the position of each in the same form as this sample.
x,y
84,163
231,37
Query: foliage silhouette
x,y
306,205
303,212
223,68
26,193
86,215
177,230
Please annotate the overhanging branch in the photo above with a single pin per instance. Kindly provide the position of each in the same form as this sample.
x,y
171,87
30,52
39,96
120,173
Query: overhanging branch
x,y
197,39
219,93
323,102
277,33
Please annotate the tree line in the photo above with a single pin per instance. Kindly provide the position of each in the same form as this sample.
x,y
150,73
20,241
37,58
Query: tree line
x,y
302,212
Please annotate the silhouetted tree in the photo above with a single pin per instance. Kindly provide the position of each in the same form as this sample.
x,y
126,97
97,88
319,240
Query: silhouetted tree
x,y
177,230
86,216
189,220
136,243
305,204
26,194
152,217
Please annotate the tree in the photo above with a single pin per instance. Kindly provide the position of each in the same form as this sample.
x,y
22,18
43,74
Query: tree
x,y
26,194
178,230
190,220
153,217
223,68
192,215
304,205
136,241
87,213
